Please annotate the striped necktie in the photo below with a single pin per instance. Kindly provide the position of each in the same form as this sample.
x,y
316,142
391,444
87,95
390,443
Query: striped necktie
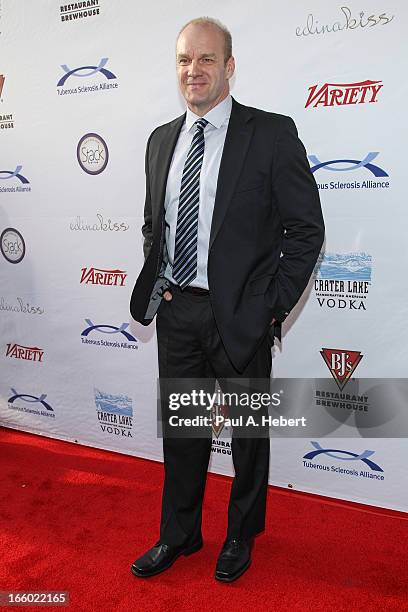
x,y
185,251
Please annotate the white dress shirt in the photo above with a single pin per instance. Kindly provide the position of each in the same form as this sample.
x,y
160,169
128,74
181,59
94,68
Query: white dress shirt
x,y
214,135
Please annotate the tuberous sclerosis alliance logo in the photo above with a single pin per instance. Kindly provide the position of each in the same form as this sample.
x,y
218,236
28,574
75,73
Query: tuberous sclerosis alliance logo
x,y
6,175
86,72
108,329
341,363
351,165
31,399
375,472
340,94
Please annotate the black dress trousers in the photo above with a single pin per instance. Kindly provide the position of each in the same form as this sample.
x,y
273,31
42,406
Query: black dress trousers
x,y
189,346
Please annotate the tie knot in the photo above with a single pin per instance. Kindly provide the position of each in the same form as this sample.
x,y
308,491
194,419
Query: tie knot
x,y
200,124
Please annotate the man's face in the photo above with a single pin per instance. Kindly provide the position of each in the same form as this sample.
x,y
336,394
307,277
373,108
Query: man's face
x,y
201,70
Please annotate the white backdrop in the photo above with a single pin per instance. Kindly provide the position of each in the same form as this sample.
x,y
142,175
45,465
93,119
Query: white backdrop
x,y
97,385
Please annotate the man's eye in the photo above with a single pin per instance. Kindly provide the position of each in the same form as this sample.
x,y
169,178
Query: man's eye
x,y
208,60
183,61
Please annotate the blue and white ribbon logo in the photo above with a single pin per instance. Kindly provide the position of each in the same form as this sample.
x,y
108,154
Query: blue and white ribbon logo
x,y
108,329
354,164
11,174
31,399
344,456
89,71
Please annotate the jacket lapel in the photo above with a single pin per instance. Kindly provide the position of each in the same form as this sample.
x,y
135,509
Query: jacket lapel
x,y
236,145
160,165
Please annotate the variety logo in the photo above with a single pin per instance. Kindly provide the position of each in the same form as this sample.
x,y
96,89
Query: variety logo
x,y
79,10
332,165
342,280
99,276
346,21
115,413
108,329
86,72
101,225
12,245
92,154
28,353
339,94
375,472
341,363
6,175
20,306
46,410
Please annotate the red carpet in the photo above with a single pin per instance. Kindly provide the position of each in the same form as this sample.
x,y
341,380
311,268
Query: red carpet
x,y
73,519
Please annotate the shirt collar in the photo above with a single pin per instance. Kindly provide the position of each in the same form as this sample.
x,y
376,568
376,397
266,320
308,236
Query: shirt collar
x,y
216,116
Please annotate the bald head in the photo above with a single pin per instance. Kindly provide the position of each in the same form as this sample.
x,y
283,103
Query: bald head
x,y
209,22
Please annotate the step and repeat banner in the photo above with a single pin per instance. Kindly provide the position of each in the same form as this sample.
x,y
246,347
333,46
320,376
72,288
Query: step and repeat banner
x,y
82,85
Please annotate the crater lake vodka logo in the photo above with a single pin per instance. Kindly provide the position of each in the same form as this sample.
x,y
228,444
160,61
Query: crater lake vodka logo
x,y
115,413
343,280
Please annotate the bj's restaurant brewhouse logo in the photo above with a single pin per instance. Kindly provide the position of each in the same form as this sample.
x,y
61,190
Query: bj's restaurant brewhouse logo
x,y
341,363
6,119
100,276
340,94
79,10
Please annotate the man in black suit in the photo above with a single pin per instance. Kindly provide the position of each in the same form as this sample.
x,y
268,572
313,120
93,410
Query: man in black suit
x,y
233,228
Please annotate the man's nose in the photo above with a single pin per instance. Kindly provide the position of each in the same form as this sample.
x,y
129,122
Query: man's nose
x,y
194,69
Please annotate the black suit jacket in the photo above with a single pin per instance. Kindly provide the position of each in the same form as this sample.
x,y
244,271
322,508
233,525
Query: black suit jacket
x,y
266,234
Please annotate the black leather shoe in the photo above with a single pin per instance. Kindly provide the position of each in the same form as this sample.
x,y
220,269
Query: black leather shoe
x,y
234,560
161,557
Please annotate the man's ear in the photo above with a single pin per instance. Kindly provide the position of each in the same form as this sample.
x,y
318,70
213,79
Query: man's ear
x,y
230,67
